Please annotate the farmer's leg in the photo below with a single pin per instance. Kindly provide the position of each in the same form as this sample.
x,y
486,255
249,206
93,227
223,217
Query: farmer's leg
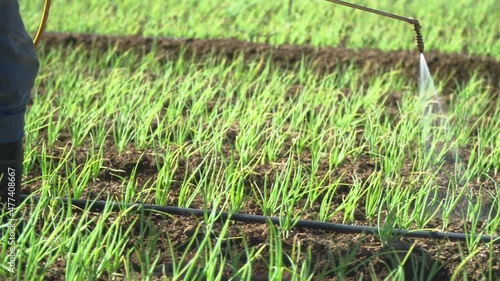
x,y
18,69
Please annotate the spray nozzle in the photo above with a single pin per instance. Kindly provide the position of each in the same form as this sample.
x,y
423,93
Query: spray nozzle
x,y
418,35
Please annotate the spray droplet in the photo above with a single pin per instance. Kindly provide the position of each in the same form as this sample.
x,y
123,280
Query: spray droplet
x,y
437,139
427,90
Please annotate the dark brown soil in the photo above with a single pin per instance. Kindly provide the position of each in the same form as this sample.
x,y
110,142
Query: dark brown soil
x,y
327,248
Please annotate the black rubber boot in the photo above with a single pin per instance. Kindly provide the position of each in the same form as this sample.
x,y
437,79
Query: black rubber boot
x,y
11,168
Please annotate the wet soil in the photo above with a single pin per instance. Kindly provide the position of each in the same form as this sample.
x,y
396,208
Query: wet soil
x,y
371,259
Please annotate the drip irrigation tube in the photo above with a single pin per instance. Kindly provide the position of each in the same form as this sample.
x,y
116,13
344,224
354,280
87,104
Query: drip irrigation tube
x,y
100,205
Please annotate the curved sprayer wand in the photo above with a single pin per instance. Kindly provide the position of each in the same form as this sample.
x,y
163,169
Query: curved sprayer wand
x,y
412,21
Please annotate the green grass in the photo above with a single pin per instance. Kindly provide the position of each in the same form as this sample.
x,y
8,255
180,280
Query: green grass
x,y
447,26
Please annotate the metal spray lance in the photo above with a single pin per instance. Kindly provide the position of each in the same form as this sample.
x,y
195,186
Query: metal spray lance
x,y
412,21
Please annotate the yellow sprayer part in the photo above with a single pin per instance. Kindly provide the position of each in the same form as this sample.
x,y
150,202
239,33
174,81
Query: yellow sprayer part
x,y
43,22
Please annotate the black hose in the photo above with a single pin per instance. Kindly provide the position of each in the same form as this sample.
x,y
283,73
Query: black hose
x,y
100,205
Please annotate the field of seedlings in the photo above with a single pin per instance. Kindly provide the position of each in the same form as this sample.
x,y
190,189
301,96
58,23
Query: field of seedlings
x,y
291,109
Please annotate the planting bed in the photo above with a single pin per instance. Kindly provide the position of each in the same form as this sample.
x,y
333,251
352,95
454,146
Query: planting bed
x,y
328,249
455,67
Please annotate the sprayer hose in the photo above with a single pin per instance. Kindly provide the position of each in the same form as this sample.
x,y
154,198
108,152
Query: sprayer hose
x,y
100,205
43,22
